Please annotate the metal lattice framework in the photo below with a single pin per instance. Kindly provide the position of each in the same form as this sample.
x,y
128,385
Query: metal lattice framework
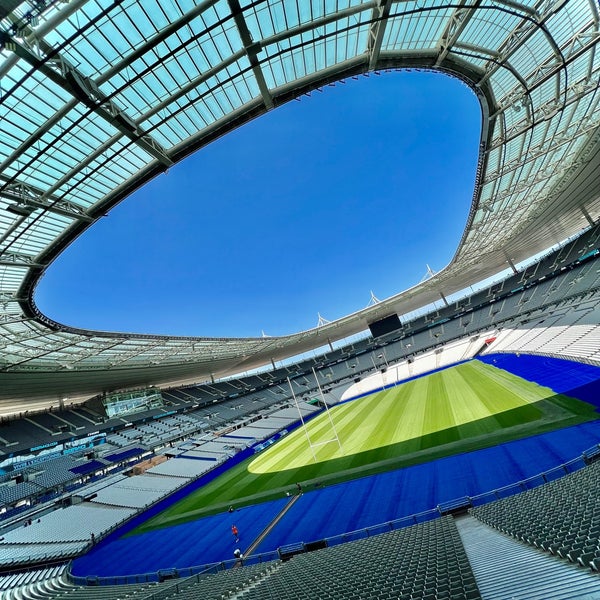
x,y
99,96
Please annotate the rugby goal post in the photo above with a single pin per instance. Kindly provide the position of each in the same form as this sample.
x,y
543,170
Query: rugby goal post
x,y
312,445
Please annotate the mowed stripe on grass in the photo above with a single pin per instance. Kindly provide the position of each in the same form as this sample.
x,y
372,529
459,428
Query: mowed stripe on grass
x,y
442,401
470,406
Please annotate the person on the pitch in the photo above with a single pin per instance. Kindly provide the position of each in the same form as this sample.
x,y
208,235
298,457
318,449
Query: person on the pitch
x,y
236,533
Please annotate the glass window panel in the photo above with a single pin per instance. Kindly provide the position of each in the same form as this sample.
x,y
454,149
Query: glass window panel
x,y
574,17
490,28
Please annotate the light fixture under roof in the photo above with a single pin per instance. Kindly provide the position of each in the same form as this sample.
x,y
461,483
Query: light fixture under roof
x,y
20,209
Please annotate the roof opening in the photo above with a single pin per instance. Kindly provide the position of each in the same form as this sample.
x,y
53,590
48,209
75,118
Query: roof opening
x,y
305,211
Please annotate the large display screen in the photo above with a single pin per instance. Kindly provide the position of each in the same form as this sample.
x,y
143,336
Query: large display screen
x,y
385,326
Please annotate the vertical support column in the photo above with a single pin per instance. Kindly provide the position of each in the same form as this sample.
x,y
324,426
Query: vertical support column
x,y
587,216
511,264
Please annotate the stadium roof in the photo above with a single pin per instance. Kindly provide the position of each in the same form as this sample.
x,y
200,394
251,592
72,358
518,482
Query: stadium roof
x,y
99,96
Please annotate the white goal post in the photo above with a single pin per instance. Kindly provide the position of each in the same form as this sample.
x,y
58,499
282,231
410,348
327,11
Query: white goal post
x,y
312,445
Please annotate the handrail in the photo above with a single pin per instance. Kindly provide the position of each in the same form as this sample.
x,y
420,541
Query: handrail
x,y
165,574
556,472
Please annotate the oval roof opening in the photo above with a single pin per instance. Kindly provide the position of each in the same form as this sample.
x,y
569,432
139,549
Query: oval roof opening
x,y
306,210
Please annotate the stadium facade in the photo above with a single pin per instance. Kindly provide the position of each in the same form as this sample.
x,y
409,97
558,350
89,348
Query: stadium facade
x,y
99,97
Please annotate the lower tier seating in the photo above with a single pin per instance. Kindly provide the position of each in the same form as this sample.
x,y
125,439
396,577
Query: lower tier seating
x,y
561,517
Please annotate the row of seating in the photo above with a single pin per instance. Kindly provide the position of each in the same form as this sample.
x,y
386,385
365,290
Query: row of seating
x,y
60,533
561,517
120,497
25,578
138,491
571,330
424,561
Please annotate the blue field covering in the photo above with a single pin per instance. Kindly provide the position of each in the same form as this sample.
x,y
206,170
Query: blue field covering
x,y
567,377
196,543
396,494
330,511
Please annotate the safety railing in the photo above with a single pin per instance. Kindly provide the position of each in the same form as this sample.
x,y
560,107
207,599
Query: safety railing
x,y
462,503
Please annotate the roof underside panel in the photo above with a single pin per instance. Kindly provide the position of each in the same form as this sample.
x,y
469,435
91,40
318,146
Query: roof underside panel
x,y
97,97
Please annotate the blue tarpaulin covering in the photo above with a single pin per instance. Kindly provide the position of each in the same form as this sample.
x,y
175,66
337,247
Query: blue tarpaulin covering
x,y
327,511
120,456
88,467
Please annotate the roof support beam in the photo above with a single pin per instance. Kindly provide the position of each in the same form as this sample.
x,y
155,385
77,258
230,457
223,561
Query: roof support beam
x,y
14,259
381,13
39,33
523,32
27,196
252,49
37,135
63,74
34,355
456,25
587,216
298,30
7,318
552,106
154,41
6,297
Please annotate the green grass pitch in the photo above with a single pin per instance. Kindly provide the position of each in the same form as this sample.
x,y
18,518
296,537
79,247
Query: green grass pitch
x,y
469,406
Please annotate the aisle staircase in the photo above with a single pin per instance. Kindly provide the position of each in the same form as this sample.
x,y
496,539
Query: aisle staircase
x,y
506,569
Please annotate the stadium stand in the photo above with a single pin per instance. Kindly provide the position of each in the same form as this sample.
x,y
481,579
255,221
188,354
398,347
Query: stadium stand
x,y
53,584
180,467
84,125
138,491
419,562
330,511
424,561
553,301
10,584
179,550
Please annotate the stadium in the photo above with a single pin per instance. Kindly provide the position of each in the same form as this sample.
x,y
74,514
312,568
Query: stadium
x,y
440,443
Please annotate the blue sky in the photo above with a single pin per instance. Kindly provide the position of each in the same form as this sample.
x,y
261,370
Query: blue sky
x,y
305,210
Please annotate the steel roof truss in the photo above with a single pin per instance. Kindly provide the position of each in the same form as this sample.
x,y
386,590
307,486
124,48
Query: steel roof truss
x,y
376,30
456,25
14,259
27,196
515,40
252,49
63,74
